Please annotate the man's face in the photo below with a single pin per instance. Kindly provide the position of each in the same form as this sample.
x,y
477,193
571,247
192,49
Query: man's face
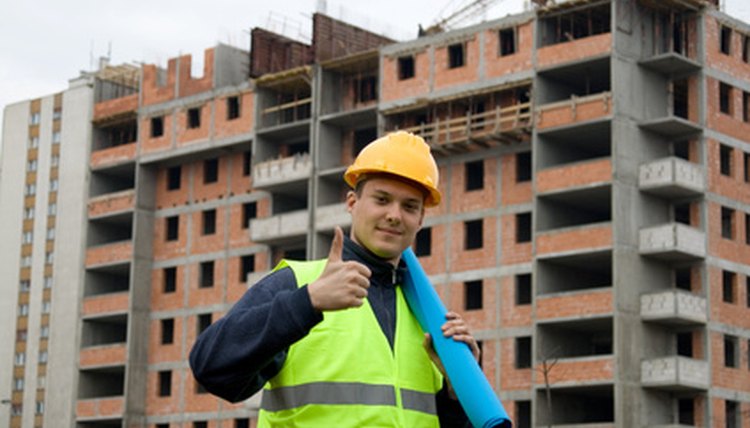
x,y
386,216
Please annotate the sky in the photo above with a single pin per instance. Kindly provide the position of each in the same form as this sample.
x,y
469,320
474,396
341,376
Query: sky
x,y
44,43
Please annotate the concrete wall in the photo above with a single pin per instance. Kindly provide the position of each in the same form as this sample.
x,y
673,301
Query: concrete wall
x,y
70,242
12,170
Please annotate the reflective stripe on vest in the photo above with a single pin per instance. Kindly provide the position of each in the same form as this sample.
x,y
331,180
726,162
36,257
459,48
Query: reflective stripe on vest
x,y
289,397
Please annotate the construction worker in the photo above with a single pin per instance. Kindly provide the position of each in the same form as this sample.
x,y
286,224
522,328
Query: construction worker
x,y
333,341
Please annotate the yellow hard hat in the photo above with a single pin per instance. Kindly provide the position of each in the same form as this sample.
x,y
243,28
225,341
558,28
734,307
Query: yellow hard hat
x,y
401,154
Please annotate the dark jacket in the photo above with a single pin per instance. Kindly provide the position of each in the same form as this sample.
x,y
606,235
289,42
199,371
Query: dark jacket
x,y
239,353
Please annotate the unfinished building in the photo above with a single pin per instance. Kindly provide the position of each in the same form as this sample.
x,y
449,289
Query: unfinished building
x,y
595,229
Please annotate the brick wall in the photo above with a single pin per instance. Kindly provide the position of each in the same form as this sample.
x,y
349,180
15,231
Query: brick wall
x,y
734,249
512,192
731,123
591,237
445,76
581,304
576,370
561,53
575,175
394,89
728,377
333,38
161,353
113,155
151,91
473,200
512,378
224,127
149,144
186,135
115,107
190,85
512,315
734,314
496,65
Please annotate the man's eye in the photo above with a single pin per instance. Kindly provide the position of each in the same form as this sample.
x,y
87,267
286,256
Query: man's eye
x,y
380,199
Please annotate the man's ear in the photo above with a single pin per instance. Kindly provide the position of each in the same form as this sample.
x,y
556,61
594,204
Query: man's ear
x,y
351,199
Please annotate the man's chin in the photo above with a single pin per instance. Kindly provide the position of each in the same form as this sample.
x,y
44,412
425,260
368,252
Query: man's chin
x,y
387,253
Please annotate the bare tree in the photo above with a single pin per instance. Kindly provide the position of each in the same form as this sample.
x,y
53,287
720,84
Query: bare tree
x,y
548,361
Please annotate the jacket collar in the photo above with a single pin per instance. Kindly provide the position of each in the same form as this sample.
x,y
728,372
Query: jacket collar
x,y
383,273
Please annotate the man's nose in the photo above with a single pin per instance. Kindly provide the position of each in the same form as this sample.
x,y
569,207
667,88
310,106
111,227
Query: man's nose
x,y
393,214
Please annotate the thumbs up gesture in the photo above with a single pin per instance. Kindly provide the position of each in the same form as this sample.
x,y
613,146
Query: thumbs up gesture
x,y
343,284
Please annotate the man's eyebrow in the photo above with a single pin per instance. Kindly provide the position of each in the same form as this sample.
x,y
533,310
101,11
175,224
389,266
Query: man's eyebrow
x,y
381,192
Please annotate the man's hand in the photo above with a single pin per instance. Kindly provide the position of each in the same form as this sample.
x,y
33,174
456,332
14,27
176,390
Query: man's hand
x,y
454,327
343,284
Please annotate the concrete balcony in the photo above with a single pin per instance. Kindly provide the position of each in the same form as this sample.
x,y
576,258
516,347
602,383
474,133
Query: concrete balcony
x,y
574,50
105,355
100,408
674,307
672,178
279,228
573,111
672,242
278,172
671,63
671,126
112,203
107,254
675,373
329,216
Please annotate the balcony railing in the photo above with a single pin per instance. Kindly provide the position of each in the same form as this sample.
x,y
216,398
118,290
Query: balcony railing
x,y
113,155
288,112
98,408
111,303
112,203
284,170
580,174
575,239
115,252
576,304
574,110
329,216
501,125
280,227
104,355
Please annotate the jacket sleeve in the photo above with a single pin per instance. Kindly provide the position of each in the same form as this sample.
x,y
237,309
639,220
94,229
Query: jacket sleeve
x,y
450,412
235,356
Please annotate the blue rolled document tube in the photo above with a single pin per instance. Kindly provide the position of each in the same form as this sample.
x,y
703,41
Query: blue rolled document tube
x,y
479,401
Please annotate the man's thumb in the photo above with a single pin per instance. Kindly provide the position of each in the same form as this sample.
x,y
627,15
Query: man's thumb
x,y
337,245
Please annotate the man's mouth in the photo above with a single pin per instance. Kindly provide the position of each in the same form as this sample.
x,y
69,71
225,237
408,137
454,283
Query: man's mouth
x,y
389,231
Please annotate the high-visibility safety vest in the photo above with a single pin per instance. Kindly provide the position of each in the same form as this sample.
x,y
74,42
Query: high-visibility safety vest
x,y
345,374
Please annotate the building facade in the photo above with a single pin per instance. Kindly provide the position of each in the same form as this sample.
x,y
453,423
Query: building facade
x,y
595,229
